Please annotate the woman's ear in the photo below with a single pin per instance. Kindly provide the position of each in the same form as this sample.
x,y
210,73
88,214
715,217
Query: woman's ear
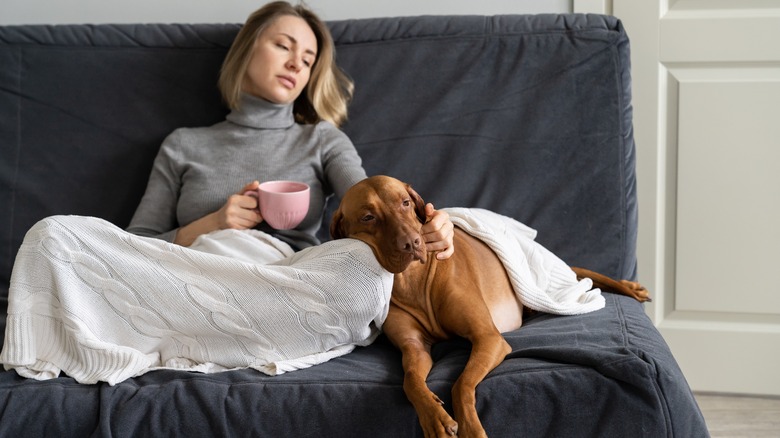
x,y
419,204
336,230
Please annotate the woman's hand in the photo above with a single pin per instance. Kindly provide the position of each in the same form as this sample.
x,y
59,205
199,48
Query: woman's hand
x,y
240,212
438,232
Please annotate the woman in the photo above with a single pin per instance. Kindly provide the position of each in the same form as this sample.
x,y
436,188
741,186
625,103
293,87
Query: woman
x,y
287,98
102,304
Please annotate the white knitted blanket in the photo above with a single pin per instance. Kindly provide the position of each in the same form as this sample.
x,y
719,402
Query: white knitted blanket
x,y
101,304
543,281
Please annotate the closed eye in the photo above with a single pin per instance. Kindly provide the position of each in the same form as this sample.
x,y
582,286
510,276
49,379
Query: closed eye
x,y
367,218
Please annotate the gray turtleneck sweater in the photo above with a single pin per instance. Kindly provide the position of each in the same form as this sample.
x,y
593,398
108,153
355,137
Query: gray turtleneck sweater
x,y
197,169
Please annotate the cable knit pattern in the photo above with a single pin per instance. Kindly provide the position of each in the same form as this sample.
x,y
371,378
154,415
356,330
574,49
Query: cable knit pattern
x,y
543,281
102,304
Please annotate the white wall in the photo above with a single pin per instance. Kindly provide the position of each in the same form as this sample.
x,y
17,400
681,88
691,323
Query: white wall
x,y
236,11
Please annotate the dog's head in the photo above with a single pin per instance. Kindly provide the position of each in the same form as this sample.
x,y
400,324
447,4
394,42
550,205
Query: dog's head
x,y
386,214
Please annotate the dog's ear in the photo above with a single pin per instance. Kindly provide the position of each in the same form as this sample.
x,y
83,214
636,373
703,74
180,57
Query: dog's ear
x,y
419,204
336,230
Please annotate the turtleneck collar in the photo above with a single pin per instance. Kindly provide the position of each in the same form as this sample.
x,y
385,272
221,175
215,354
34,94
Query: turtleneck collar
x,y
258,113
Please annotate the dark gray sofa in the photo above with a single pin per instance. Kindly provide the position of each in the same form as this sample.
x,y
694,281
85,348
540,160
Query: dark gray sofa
x,y
529,116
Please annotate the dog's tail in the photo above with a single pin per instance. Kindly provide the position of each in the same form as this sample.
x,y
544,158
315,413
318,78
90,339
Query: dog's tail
x,y
622,287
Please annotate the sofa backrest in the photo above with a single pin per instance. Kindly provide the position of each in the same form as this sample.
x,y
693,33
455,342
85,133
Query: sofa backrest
x,y
529,116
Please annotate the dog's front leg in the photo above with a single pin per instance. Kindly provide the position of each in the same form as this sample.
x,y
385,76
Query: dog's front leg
x,y
417,364
488,350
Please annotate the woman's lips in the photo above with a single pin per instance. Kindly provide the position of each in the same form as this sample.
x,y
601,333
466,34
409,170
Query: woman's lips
x,y
287,81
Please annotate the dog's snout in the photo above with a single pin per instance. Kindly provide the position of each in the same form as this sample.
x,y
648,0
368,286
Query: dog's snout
x,y
409,243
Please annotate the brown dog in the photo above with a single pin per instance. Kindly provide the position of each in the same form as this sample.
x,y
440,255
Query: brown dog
x,y
468,295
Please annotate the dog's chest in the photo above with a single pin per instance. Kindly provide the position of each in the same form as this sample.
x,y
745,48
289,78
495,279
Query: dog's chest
x,y
414,293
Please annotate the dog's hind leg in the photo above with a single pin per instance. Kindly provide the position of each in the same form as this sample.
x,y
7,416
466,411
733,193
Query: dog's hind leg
x,y
623,287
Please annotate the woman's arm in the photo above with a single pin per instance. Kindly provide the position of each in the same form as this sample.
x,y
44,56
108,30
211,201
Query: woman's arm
x,y
239,212
156,215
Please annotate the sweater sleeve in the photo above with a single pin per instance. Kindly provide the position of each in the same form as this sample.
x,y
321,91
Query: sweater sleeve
x,y
156,214
341,163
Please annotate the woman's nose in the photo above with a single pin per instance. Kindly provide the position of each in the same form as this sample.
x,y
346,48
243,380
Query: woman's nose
x,y
294,63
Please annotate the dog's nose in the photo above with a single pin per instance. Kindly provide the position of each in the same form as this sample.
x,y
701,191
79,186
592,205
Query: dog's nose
x,y
407,243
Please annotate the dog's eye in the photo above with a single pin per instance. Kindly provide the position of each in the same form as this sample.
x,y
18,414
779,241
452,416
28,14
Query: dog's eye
x,y
407,202
367,218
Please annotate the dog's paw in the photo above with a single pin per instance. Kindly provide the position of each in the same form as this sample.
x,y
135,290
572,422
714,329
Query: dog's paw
x,y
471,427
441,428
438,424
452,429
473,434
636,290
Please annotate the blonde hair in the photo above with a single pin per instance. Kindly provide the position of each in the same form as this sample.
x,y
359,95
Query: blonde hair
x,y
329,90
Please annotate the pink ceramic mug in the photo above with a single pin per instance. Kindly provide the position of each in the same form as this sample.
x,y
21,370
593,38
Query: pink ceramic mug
x,y
283,204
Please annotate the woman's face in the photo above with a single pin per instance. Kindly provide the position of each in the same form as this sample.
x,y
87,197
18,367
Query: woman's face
x,y
281,60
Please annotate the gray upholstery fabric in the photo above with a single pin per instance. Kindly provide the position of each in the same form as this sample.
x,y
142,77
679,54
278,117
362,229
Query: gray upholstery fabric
x,y
529,116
